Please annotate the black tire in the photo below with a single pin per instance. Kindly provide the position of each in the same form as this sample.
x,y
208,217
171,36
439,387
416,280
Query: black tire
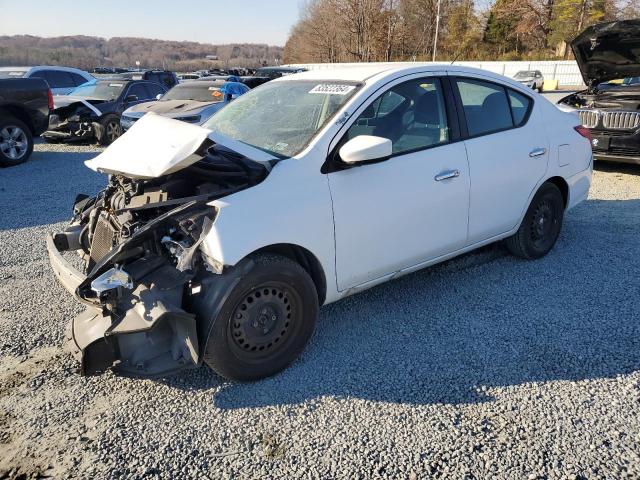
x,y
540,89
52,141
110,129
16,142
541,225
265,322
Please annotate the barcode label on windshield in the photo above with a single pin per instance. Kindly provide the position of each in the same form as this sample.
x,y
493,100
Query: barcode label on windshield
x,y
332,89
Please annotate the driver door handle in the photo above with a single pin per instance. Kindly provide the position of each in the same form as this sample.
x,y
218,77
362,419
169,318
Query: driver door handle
x,y
536,152
446,175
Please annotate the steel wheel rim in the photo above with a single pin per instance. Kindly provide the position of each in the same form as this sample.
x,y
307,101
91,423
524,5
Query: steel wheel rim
x,y
13,142
264,322
544,225
113,130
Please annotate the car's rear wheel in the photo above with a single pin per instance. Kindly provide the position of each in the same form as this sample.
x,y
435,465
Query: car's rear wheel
x,y
16,142
541,225
265,322
110,129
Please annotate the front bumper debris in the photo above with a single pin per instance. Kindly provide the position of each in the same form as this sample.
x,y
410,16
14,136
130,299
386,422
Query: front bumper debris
x,y
145,333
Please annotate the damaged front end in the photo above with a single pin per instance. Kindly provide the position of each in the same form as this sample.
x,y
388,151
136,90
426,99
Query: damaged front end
x,y
139,240
74,120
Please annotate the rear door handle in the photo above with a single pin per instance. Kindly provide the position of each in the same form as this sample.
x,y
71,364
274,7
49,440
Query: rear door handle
x,y
447,174
536,152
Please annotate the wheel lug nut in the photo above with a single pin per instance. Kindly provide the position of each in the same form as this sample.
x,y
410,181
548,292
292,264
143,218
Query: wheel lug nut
x,y
273,317
255,324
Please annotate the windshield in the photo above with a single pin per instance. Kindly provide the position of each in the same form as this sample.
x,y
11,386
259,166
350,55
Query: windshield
x,y
200,92
12,73
281,118
525,74
100,91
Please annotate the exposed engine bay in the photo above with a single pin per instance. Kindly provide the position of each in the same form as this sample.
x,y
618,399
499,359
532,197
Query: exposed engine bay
x,y
139,241
627,100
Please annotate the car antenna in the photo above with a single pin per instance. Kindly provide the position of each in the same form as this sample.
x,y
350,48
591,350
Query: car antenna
x,y
456,57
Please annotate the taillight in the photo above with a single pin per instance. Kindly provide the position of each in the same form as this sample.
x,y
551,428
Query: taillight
x,y
50,99
584,131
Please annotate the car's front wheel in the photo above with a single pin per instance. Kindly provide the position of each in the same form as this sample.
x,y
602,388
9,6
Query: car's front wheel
x,y
265,322
541,225
110,130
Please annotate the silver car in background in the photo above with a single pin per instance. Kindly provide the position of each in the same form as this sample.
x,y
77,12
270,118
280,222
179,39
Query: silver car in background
x,y
531,78
192,102
61,80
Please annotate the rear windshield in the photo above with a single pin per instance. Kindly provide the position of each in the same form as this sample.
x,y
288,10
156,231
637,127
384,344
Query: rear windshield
x,y
12,73
200,92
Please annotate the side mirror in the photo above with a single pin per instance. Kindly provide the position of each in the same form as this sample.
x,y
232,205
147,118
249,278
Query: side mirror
x,y
366,148
131,98
158,96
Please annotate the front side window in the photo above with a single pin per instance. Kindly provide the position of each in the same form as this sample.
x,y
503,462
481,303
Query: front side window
x,y
412,115
282,117
139,90
485,106
155,89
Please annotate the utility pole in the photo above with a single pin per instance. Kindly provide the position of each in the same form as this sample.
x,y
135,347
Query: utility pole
x,y
435,38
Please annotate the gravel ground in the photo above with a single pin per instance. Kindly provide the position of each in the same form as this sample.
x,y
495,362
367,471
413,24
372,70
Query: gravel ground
x,y
485,366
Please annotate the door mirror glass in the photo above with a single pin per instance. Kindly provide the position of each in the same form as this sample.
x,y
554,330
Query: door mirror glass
x,y
158,96
365,148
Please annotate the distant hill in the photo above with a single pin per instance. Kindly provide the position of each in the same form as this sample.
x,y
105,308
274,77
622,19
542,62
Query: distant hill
x,y
87,52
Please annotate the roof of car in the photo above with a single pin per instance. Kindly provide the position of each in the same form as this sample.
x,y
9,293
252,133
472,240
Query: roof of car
x,y
360,72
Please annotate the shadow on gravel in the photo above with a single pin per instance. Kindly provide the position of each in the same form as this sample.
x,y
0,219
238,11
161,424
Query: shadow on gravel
x,y
614,167
447,334
41,191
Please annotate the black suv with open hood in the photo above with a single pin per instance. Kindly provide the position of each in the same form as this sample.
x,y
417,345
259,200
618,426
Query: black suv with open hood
x,y
606,52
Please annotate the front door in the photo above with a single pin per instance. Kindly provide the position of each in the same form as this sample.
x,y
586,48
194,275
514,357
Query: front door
x,y
408,209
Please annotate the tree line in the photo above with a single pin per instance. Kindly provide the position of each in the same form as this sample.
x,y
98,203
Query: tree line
x,y
401,30
87,52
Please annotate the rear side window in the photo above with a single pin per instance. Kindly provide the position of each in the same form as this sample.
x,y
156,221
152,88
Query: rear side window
x,y
486,106
77,79
520,105
56,78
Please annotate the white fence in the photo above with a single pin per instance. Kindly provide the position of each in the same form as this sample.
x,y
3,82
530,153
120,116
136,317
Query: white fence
x,y
566,72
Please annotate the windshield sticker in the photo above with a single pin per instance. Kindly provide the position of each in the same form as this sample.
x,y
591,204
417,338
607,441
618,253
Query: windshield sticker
x,y
213,88
115,84
16,74
280,146
332,89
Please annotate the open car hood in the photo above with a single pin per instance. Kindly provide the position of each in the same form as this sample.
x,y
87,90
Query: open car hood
x,y
157,145
608,51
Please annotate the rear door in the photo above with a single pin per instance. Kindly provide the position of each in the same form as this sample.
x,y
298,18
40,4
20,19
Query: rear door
x,y
507,150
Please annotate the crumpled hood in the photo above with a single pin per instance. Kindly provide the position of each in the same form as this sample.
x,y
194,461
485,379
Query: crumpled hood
x,y
171,106
608,51
61,101
156,145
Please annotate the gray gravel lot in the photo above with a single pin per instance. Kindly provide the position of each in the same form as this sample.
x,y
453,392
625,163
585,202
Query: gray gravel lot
x,y
483,367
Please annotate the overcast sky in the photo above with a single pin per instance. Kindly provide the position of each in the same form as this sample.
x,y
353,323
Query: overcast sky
x,y
207,21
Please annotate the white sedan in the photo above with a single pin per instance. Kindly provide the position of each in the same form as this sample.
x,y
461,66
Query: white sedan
x,y
219,244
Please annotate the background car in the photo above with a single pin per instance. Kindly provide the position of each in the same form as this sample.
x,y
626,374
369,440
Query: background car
x,y
609,107
164,77
277,72
93,111
61,80
531,78
192,102
25,104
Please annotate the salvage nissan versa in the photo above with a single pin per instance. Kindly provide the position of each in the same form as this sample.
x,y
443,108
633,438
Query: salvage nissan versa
x,y
218,245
